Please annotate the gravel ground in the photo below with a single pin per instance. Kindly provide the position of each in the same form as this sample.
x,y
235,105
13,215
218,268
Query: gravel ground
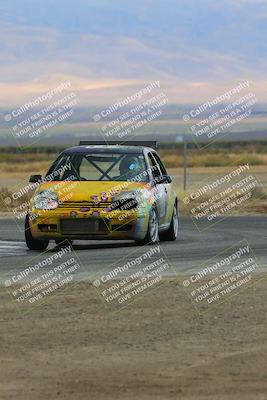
x,y
157,348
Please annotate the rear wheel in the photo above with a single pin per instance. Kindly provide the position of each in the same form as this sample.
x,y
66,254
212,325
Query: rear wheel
x,y
152,235
31,242
173,231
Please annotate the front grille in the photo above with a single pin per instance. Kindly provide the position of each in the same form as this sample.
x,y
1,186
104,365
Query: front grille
x,y
72,226
86,204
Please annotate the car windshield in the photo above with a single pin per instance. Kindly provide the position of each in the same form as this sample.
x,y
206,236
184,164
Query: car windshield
x,y
99,167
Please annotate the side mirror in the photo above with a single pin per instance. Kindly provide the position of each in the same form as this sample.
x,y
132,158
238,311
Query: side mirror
x,y
162,179
35,178
167,179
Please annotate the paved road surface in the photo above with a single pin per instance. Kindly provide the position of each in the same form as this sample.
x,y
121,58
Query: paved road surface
x,y
191,250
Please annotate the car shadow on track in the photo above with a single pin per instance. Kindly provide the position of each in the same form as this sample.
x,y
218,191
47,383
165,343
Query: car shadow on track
x,y
96,246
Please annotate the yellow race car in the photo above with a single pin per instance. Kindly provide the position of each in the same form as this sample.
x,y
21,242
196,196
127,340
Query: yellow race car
x,y
103,191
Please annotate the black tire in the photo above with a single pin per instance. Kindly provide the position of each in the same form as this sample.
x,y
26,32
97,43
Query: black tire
x,y
31,242
152,235
172,233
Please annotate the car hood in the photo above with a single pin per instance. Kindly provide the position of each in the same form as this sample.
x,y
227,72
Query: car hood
x,y
90,190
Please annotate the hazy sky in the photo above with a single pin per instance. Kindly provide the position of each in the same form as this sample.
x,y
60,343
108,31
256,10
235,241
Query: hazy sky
x,y
109,47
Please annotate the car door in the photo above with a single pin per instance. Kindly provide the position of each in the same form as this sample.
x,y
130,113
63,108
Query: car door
x,y
168,190
159,188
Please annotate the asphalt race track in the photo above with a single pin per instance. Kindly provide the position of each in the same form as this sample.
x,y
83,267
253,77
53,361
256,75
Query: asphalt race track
x,y
191,250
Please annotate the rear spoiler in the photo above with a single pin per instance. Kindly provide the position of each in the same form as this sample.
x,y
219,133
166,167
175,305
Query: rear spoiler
x,y
142,143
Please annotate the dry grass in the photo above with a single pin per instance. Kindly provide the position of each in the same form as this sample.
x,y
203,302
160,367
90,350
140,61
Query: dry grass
x,y
173,159
257,204
28,162
35,166
15,170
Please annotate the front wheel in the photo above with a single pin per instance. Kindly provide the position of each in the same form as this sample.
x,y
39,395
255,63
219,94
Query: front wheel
x,y
152,235
31,242
173,231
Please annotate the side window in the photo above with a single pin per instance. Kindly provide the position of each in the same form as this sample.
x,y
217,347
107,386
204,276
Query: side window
x,y
160,164
155,169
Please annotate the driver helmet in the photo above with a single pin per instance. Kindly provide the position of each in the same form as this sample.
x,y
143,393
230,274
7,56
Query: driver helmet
x,y
128,165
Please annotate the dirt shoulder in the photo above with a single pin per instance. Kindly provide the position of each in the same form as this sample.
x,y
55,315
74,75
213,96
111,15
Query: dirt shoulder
x,y
157,348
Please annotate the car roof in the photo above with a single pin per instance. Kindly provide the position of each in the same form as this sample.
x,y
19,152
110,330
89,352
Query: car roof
x,y
121,149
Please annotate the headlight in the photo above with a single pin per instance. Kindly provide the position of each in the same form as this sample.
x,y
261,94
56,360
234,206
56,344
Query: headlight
x,y
45,200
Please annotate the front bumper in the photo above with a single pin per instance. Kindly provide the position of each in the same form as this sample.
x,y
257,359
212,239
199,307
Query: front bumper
x,y
61,224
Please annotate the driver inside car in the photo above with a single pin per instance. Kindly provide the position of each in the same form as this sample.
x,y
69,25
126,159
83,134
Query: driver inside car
x,y
129,168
